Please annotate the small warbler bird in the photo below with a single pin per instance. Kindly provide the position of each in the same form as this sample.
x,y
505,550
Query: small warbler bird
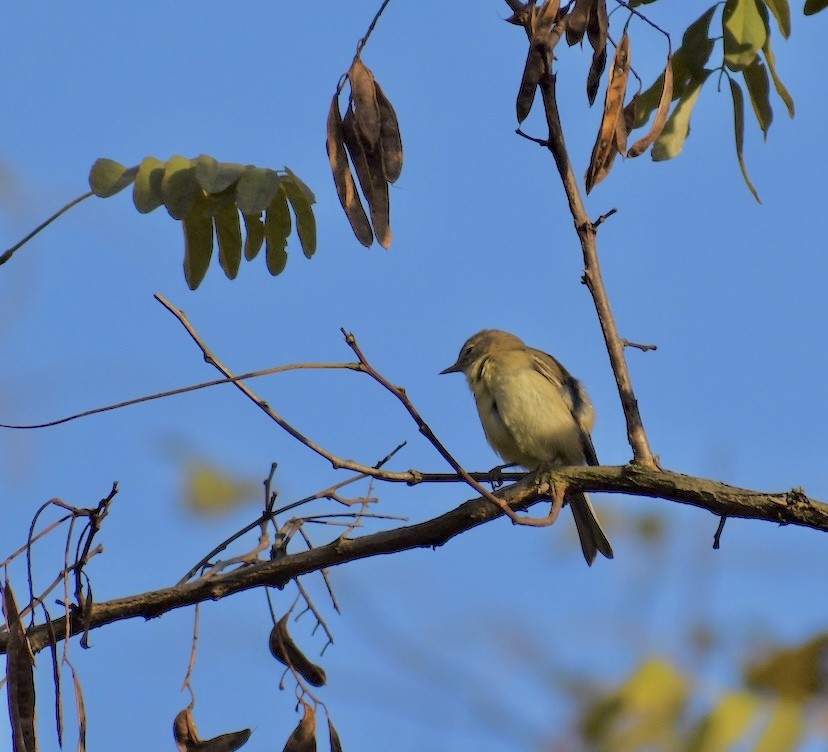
x,y
535,414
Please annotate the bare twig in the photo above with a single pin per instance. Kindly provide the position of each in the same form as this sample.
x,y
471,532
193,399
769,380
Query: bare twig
x,y
184,390
717,537
42,226
637,345
604,217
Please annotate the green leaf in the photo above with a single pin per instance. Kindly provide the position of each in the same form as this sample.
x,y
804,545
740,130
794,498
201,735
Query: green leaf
x,y
671,141
781,89
688,66
726,723
215,177
739,126
179,187
146,193
108,177
277,229
784,730
782,13
301,185
254,235
256,189
745,32
198,244
305,221
758,86
228,232
814,6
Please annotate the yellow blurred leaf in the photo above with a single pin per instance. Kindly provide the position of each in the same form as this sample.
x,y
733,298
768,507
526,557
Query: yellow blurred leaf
x,y
210,490
784,730
726,724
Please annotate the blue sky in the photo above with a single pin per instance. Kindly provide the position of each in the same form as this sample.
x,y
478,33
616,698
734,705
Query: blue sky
x,y
466,645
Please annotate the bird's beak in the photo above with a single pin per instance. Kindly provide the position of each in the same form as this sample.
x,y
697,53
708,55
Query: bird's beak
x,y
452,369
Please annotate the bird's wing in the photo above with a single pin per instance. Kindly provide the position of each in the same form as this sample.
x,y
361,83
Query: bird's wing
x,y
574,395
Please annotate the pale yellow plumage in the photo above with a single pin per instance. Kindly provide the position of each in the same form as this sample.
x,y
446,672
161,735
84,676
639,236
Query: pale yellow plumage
x,y
534,414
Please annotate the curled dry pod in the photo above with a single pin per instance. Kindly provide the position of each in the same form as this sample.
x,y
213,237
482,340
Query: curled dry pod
x,y
187,739
364,95
390,139
303,738
343,179
284,650
184,730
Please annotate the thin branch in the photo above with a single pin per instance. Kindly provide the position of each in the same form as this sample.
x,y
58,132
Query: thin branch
x,y
42,226
638,345
184,390
642,454
717,536
792,507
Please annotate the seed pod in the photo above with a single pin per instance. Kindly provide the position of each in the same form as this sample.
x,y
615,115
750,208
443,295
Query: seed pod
x,y
285,650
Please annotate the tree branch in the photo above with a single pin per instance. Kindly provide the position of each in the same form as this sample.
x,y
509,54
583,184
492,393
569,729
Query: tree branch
x,y
792,507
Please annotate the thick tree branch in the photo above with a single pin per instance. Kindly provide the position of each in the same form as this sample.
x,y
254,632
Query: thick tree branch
x,y
792,507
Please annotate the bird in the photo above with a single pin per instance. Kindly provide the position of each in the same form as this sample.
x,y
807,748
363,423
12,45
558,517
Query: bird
x,y
535,414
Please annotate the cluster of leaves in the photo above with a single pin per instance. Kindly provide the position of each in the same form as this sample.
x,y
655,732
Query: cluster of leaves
x,y
747,61
746,53
653,709
370,135
208,196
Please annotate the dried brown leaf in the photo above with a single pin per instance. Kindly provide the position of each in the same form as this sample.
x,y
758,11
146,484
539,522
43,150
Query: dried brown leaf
x,y
576,21
344,180
368,165
606,145
20,686
390,139
597,27
640,146
364,97
303,738
285,650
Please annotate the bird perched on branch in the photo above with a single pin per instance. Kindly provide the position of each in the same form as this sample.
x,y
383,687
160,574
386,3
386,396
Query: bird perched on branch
x,y
534,414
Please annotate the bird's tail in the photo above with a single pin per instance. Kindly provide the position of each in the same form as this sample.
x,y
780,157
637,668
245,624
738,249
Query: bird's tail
x,y
593,539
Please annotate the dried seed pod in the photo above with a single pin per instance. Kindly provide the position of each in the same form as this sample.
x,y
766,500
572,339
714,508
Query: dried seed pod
x,y
187,738
344,179
364,96
390,139
303,737
576,21
597,28
285,650
368,165
606,145
20,685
